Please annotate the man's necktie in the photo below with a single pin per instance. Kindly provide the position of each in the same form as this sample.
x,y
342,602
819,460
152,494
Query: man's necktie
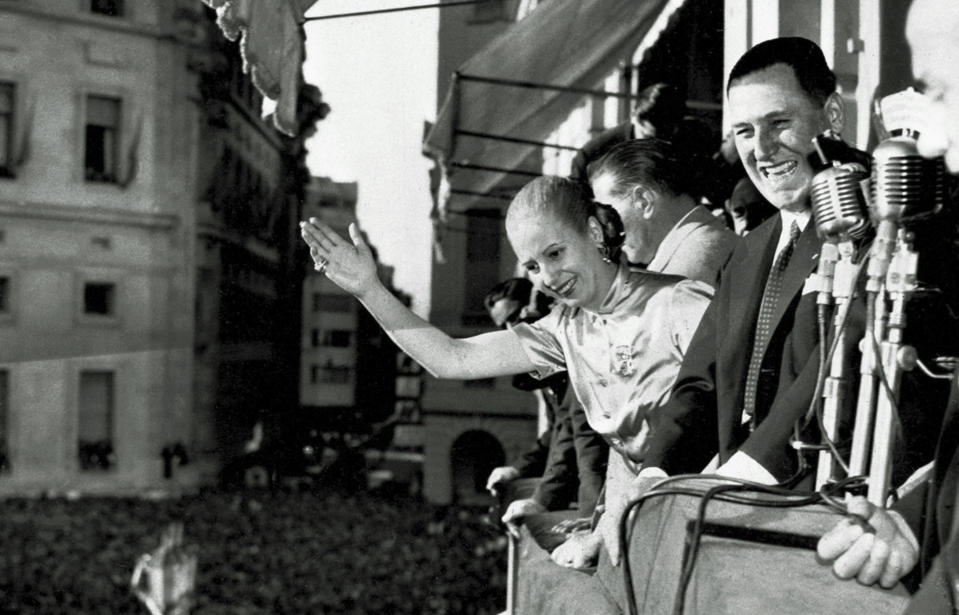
x,y
764,322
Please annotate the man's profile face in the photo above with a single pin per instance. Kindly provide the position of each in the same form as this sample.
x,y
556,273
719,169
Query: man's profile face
x,y
934,39
639,246
773,122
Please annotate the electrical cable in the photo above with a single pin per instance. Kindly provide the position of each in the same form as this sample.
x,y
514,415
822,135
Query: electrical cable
x,y
787,498
931,374
815,405
679,603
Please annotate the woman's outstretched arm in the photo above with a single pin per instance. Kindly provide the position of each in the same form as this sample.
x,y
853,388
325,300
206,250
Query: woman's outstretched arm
x,y
351,267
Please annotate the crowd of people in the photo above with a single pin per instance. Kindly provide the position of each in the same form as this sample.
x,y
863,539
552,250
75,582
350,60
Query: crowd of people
x,y
258,553
694,349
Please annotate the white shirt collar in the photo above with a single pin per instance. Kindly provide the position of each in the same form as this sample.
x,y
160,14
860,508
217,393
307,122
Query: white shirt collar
x,y
801,218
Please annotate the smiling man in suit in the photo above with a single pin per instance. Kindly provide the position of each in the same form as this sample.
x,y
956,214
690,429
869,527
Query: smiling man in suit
x,y
751,367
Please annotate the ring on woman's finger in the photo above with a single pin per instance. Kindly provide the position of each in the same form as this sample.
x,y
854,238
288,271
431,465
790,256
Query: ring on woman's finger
x,y
321,265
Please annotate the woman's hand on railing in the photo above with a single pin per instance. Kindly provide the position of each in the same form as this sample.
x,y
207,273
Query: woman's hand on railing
x,y
580,550
517,510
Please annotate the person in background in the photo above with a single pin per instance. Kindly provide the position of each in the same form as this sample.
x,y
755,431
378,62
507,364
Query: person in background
x,y
923,527
515,300
620,332
660,112
507,303
666,230
747,208
724,171
568,457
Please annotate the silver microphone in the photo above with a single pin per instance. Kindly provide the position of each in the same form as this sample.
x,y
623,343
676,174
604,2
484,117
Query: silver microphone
x,y
841,217
838,205
840,214
905,187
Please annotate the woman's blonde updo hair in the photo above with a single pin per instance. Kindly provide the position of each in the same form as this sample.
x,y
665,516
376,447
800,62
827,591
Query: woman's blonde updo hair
x,y
558,198
571,203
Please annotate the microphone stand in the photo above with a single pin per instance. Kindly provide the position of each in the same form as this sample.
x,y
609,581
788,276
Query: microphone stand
x,y
868,377
834,390
875,325
896,357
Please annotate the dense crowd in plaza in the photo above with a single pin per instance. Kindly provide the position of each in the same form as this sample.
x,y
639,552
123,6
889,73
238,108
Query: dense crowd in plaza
x,y
258,553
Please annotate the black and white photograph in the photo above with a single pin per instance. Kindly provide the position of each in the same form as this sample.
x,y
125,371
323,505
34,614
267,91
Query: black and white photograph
x,y
479,307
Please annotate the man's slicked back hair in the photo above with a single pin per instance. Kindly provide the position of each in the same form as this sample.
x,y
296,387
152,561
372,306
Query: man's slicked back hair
x,y
802,55
653,163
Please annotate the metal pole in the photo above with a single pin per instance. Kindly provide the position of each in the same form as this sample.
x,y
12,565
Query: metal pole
x,y
868,374
489,195
534,85
483,167
415,7
512,572
833,393
835,386
486,135
896,358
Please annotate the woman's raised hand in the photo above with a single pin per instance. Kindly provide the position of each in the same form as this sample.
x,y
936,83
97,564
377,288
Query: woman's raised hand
x,y
351,267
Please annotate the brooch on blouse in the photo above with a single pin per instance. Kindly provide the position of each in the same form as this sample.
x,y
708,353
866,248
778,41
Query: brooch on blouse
x,y
623,363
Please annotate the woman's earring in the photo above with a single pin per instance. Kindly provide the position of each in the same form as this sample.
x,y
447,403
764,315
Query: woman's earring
x,y
605,252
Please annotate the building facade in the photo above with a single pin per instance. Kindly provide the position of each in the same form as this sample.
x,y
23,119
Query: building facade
x,y
471,426
348,363
145,243
328,342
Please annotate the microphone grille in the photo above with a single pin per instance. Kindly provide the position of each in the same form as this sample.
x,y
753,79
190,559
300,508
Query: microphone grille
x,y
838,205
905,185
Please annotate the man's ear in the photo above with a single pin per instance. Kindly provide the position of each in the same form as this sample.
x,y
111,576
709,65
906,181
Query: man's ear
x,y
835,110
644,199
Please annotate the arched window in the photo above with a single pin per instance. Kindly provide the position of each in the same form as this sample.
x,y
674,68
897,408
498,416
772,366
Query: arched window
x,y
473,456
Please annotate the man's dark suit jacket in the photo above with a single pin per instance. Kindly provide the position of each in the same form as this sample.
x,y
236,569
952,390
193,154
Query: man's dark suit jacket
x,y
932,512
576,467
705,409
569,457
704,413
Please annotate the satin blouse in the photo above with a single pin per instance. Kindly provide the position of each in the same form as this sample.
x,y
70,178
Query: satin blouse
x,y
623,359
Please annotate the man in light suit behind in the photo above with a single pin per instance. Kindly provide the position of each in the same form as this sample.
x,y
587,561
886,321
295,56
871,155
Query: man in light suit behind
x,y
667,231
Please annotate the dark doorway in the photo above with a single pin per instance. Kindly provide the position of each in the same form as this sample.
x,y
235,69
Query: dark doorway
x,y
473,456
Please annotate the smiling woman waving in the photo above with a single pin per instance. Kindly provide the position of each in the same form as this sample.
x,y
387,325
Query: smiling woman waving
x,y
621,332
